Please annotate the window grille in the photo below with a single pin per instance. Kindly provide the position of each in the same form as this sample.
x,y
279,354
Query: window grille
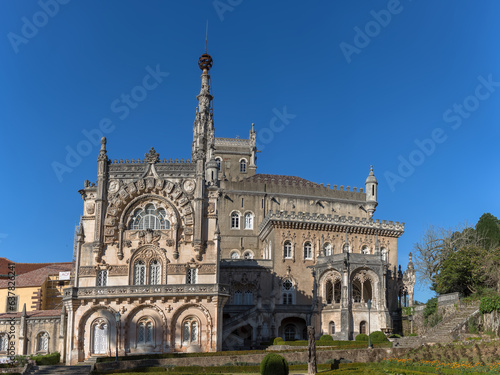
x,y
102,278
139,273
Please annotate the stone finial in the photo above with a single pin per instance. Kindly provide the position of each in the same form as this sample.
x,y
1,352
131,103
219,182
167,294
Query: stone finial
x,y
103,152
152,156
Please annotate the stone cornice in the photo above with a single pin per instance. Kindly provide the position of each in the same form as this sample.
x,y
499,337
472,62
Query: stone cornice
x,y
333,223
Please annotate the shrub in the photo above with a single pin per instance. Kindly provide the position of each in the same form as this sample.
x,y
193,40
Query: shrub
x,y
273,364
395,336
361,337
378,336
21,360
326,338
489,304
278,341
48,359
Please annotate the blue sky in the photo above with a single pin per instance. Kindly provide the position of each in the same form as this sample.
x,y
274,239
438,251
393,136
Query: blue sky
x,y
411,87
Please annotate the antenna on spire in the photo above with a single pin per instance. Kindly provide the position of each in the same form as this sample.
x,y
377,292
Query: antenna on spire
x,y
206,38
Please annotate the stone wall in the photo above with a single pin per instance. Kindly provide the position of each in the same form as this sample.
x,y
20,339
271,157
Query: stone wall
x,y
354,355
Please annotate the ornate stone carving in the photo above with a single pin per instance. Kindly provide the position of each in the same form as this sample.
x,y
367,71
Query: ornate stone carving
x,y
176,269
86,271
90,208
149,236
114,186
189,186
207,269
152,156
118,270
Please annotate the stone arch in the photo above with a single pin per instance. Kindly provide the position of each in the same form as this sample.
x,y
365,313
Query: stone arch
x,y
84,341
206,327
366,278
160,329
327,280
149,253
141,189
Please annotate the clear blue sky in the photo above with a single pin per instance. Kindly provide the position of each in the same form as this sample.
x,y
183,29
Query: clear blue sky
x,y
363,83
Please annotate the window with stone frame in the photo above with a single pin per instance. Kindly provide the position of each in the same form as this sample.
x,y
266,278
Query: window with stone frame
x,y
248,254
308,250
139,272
145,331
248,298
327,247
4,342
287,250
365,250
288,292
243,166
290,332
238,297
248,220
385,254
150,217
102,278
362,327
42,342
235,220
154,272
190,331
331,328
192,276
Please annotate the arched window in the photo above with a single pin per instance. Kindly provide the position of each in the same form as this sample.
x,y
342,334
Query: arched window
x,y
42,342
243,166
102,278
367,290
248,220
356,291
287,250
248,298
308,253
365,250
145,332
384,253
150,218
248,254
235,254
238,297
331,328
235,220
347,248
290,332
4,343
190,331
328,249
139,272
337,290
192,276
362,327
154,272
329,292
100,336
288,292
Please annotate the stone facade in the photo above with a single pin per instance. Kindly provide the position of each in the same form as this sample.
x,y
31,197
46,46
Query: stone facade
x,y
206,254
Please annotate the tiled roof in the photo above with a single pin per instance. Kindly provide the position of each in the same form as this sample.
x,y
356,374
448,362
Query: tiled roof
x,y
279,179
20,267
32,314
38,276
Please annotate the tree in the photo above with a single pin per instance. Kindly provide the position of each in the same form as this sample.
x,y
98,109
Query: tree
x,y
488,227
462,271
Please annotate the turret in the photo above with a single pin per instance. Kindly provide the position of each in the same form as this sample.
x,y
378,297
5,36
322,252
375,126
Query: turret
x,y
371,192
212,172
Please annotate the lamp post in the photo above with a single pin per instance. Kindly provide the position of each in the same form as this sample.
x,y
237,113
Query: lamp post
x,y
369,304
118,318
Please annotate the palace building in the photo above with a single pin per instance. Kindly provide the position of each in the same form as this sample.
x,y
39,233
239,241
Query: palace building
x,y
206,255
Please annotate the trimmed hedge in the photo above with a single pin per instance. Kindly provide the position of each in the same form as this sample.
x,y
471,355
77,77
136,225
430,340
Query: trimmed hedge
x,y
273,364
326,338
361,337
48,359
278,341
378,336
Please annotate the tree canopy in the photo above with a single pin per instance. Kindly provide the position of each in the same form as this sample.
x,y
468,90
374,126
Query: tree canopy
x,y
465,259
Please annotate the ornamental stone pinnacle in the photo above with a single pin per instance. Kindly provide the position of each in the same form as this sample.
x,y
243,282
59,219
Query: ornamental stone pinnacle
x,y
152,156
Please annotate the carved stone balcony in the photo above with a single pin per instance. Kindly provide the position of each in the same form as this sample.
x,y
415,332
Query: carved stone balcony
x,y
125,291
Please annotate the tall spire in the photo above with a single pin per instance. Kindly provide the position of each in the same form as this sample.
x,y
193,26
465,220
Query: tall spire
x,y
203,131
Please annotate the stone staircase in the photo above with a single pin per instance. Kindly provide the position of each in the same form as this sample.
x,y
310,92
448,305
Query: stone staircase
x,y
444,332
60,370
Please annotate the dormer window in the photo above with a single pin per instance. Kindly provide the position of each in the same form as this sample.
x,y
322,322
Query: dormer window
x,y
150,218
